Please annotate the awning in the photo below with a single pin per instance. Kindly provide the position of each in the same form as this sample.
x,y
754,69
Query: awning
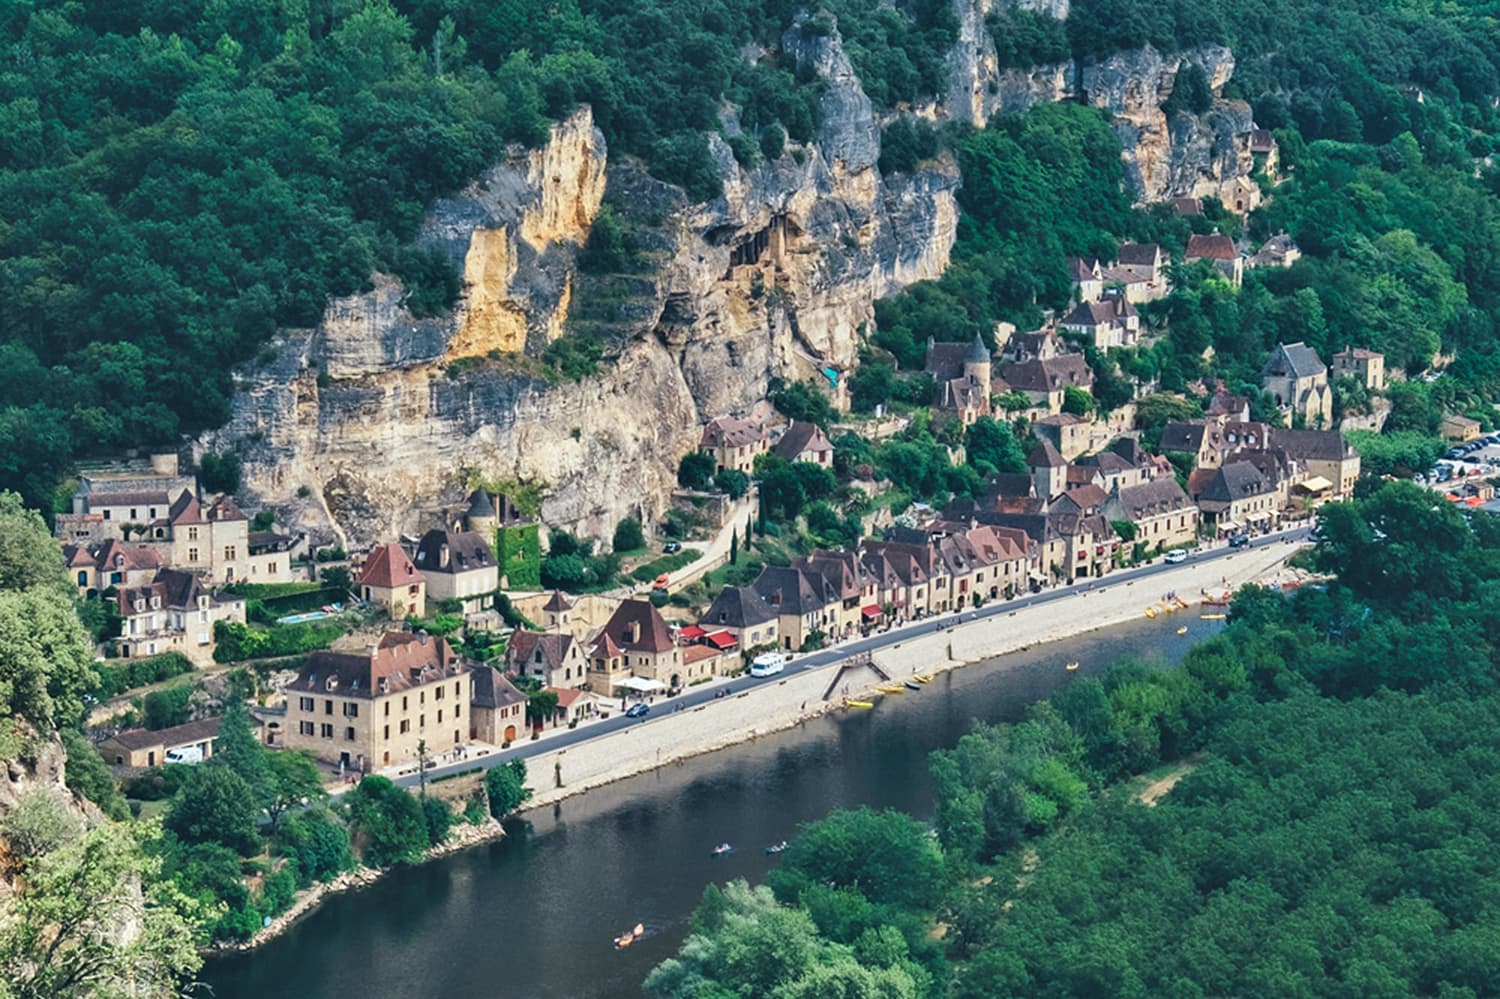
x,y
871,610
641,685
1228,525
692,632
721,640
1315,484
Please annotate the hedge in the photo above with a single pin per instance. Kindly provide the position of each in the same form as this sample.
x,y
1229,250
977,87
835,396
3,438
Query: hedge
x,y
116,678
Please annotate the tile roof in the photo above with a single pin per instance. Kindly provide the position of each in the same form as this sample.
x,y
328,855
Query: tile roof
x,y
799,438
738,607
177,735
1048,375
1138,254
1211,247
225,511
637,626
143,498
554,647
492,690
1187,206
790,590
1235,481
467,552
1157,496
1044,455
401,661
389,567
1177,436
557,603
729,431
1296,360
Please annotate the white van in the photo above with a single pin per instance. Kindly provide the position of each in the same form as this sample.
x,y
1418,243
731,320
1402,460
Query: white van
x,y
767,664
187,755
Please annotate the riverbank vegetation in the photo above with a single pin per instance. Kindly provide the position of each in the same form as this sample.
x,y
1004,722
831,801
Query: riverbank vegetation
x,y
1331,832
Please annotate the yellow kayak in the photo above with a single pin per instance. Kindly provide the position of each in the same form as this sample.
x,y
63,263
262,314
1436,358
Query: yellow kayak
x,y
1182,630
859,704
891,688
922,678
1071,666
1211,617
1151,611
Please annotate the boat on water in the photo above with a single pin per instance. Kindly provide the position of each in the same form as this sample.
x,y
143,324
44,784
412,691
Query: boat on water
x,y
722,849
776,847
1182,630
913,685
1211,617
923,678
630,936
1071,666
859,704
1151,611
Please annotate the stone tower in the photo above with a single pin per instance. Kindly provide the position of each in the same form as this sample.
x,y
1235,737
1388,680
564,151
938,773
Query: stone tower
x,y
977,365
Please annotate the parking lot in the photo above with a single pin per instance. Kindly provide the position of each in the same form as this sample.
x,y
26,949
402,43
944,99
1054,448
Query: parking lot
x,y
1476,459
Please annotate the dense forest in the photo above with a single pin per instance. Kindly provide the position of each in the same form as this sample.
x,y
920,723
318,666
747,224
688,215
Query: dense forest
x,y
1306,807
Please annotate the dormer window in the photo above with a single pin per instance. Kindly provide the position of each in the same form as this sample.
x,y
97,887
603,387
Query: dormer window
x,y
140,605
156,603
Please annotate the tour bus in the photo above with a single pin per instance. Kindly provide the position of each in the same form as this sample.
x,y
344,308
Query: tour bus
x,y
767,664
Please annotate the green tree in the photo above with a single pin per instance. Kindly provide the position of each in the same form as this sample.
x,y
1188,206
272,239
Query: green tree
x,y
887,856
291,780
506,788
87,774
219,473
215,805
438,818
628,536
168,707
390,822
60,933
733,482
696,470
319,843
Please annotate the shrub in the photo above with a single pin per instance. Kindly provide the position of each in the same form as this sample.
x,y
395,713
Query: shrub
x,y
506,788
628,536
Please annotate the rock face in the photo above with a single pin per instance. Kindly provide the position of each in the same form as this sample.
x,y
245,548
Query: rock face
x,y
372,423
1189,155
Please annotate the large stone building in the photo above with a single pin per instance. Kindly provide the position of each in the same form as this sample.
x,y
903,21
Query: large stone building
x,y
1365,366
173,613
1298,379
372,709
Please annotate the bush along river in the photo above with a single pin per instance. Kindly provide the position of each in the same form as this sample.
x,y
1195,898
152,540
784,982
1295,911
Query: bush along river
x,y
535,914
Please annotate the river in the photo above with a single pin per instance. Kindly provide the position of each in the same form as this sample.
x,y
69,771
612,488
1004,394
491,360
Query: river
x,y
533,915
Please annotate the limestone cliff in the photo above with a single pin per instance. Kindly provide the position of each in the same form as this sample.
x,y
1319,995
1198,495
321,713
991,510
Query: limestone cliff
x,y
365,426
1188,155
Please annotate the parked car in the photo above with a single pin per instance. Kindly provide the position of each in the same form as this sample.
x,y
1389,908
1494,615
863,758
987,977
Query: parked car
x,y
639,710
768,664
1239,540
1176,555
672,547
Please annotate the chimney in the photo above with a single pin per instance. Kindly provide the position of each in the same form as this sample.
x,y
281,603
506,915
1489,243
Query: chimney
x,y
372,649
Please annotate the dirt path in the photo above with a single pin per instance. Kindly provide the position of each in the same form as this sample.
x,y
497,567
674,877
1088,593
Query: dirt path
x,y
1161,787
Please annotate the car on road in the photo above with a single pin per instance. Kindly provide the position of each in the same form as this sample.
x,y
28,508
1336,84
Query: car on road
x,y
1239,540
640,710
672,547
1175,556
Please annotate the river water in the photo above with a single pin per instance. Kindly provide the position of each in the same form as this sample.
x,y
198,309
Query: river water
x,y
534,914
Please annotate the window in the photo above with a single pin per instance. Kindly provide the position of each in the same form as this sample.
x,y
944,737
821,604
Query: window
x,y
271,568
387,709
405,725
403,702
305,703
458,709
421,721
440,716
305,728
132,513
349,733
387,732
192,534
327,731
437,695
192,554
106,514
328,707
457,689
351,710
421,697
229,553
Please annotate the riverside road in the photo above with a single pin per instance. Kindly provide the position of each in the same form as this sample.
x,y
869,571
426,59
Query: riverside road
x,y
1158,571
